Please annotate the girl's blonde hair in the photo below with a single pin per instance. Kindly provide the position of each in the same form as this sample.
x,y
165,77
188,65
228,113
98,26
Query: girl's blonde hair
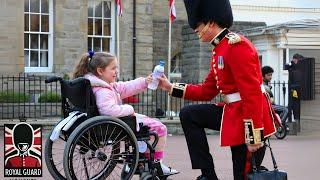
x,y
89,64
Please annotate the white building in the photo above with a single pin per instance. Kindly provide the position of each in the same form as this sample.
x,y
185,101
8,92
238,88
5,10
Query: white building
x,y
293,26
275,11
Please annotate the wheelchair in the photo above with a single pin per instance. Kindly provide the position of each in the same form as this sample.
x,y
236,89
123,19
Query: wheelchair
x,y
98,147
283,130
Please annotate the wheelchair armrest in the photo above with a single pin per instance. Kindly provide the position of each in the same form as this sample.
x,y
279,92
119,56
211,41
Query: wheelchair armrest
x,y
131,122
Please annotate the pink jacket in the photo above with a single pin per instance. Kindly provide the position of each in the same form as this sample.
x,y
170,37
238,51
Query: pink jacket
x,y
109,95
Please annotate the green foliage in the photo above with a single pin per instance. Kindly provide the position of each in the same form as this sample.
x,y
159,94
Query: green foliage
x,y
13,97
66,77
49,97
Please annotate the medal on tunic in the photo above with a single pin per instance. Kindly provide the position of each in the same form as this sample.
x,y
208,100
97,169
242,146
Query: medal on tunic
x,y
220,62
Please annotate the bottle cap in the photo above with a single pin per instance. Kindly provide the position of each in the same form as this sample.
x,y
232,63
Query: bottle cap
x,y
162,63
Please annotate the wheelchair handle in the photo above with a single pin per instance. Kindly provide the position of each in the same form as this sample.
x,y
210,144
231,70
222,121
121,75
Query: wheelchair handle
x,y
76,81
53,79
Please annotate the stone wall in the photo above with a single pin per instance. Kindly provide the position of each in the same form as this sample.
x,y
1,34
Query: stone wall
x,y
195,56
162,10
144,39
70,37
11,36
161,40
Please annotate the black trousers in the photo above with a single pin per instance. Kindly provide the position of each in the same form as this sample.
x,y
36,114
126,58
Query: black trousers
x,y
194,119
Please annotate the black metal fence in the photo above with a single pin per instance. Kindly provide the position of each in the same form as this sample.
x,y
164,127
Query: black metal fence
x,y
29,97
280,92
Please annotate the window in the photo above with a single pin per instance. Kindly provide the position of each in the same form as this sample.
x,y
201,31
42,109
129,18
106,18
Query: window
x,y
101,15
38,35
284,58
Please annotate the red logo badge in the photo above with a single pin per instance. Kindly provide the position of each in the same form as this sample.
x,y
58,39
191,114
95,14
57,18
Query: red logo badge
x,y
22,150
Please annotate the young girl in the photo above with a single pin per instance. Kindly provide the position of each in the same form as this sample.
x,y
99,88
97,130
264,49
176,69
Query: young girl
x,y
101,69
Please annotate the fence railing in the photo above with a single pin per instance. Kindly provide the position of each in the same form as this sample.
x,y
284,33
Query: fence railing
x,y
29,97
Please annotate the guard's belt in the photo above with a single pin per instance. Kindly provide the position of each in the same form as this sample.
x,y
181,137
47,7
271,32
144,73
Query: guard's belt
x,y
235,97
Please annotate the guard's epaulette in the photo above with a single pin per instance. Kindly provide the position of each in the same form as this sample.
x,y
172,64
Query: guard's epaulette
x,y
233,38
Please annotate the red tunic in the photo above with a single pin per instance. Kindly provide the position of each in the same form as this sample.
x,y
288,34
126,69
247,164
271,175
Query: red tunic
x,y
23,161
238,71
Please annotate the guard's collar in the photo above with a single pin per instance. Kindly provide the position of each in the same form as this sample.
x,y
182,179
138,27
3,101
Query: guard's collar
x,y
217,39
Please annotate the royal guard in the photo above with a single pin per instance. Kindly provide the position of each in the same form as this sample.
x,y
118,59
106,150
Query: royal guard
x,y
23,142
245,117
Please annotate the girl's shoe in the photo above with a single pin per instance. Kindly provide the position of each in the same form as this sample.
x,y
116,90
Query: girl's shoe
x,y
168,170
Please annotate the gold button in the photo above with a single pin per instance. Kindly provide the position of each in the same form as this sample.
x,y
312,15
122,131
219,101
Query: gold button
x,y
220,91
215,71
213,53
214,65
217,78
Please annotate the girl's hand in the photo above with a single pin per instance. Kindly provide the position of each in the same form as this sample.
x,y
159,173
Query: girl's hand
x,y
164,84
149,79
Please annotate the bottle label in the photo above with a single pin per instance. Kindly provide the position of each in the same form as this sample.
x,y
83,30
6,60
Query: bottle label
x,y
157,74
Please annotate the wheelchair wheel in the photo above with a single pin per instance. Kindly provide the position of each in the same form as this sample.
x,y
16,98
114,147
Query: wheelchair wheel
x,y
148,176
53,158
281,132
101,148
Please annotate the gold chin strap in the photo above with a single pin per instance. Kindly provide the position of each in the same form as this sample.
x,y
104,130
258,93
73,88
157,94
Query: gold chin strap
x,y
204,30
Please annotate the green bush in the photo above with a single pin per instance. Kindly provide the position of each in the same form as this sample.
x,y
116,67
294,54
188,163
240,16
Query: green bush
x,y
66,76
13,97
49,97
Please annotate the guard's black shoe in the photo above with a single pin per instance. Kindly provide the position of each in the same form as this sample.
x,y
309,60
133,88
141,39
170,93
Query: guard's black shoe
x,y
201,177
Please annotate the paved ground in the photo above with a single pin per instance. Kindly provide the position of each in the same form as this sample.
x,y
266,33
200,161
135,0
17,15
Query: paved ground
x,y
298,155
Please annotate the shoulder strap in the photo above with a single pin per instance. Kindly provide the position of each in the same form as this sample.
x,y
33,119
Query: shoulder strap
x,y
253,161
272,156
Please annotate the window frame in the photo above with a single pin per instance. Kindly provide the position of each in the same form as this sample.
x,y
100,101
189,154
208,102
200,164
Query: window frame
x,y
112,35
49,68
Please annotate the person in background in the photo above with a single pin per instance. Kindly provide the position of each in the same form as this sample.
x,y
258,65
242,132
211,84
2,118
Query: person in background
x,y
294,85
267,73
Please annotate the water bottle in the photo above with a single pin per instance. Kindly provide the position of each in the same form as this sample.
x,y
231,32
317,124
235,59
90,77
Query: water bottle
x,y
157,72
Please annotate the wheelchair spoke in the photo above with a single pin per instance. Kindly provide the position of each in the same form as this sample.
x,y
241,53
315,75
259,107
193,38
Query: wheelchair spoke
x,y
101,133
105,136
113,150
115,140
102,151
91,140
59,163
89,165
61,169
88,142
117,135
84,146
97,141
110,136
